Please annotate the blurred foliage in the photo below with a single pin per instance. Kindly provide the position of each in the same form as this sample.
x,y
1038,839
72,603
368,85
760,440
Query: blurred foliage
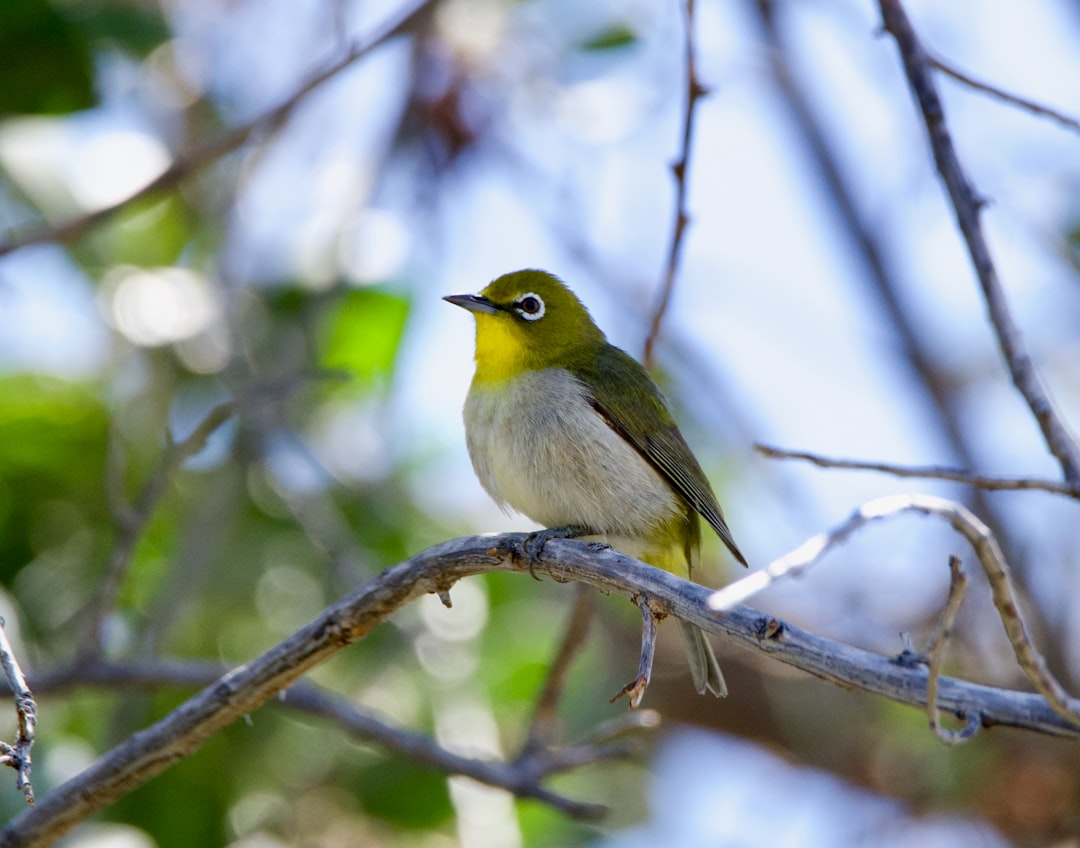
x,y
47,60
609,39
363,334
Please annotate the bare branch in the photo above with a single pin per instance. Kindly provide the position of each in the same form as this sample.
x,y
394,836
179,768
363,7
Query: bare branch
x,y
522,777
694,92
917,65
242,690
986,549
928,472
635,689
841,195
934,655
184,165
1024,103
131,520
577,628
17,756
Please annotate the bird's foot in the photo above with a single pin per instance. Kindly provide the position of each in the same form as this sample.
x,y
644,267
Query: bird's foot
x,y
534,542
635,689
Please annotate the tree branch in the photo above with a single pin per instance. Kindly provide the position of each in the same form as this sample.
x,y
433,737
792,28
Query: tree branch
x,y
866,243
1024,103
541,729
131,520
184,165
522,777
242,690
18,755
934,656
694,92
917,66
929,472
986,550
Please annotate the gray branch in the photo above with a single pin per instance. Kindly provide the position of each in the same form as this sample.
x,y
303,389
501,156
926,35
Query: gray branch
x,y
206,154
522,776
18,755
694,92
988,482
436,570
918,65
1025,103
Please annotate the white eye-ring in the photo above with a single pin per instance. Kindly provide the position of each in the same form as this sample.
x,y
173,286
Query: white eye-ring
x,y
530,306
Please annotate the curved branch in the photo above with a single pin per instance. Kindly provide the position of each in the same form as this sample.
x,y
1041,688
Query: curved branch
x,y
934,655
242,690
192,162
986,550
917,65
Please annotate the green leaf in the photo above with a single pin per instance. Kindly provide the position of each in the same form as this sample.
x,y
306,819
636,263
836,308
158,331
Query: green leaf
x,y
136,28
47,63
612,38
150,233
363,334
409,795
52,451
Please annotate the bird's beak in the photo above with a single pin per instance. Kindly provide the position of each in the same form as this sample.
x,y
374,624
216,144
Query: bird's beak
x,y
472,302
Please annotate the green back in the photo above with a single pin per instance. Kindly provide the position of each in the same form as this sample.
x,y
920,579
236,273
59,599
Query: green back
x,y
625,396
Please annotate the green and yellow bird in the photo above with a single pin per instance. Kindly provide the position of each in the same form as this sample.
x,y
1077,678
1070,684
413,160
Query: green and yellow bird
x,y
571,431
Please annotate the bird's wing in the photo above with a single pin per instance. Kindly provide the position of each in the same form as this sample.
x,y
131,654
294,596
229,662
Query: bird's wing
x,y
637,412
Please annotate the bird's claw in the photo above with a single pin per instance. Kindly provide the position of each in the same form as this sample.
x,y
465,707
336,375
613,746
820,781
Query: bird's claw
x,y
634,690
534,542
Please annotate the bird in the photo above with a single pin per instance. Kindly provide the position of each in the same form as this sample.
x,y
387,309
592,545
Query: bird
x,y
572,432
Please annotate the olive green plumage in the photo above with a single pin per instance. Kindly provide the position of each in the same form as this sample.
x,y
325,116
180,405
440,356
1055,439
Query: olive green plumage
x,y
571,431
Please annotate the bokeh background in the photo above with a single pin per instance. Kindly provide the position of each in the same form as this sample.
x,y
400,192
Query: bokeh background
x,y
823,302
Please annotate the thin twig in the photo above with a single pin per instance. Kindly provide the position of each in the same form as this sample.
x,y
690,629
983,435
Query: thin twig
x,y
522,777
917,65
934,655
184,165
868,245
131,520
17,756
986,550
241,691
635,689
1024,103
928,472
841,195
630,722
694,92
541,729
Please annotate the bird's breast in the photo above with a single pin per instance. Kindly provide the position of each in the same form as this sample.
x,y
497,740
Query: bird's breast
x,y
539,447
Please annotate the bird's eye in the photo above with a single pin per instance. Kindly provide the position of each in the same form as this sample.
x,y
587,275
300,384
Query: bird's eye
x,y
530,307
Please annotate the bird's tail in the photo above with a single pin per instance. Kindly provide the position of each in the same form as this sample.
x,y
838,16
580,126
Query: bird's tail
x,y
703,665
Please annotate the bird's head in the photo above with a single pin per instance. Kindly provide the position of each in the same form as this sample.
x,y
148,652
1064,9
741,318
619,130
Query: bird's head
x,y
528,320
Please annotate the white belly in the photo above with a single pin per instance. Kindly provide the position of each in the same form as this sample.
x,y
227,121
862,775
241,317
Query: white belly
x,y
538,447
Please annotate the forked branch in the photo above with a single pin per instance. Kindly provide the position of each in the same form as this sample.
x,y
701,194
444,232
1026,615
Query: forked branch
x,y
244,689
918,65
986,550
